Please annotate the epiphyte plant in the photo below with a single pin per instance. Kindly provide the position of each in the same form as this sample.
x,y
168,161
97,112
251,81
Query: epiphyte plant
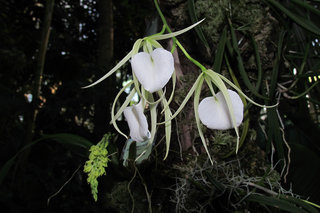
x,y
152,69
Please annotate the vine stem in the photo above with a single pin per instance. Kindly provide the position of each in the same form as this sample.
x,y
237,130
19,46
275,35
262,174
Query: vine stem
x,y
164,21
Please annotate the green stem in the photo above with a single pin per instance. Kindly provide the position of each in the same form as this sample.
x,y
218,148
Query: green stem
x,y
175,40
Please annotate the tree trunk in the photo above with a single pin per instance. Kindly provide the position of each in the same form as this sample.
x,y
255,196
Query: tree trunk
x,y
105,90
31,114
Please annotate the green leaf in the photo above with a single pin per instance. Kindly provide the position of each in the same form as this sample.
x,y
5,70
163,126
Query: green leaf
x,y
126,155
305,205
6,167
275,202
303,22
305,92
137,151
63,138
274,134
242,71
70,139
220,51
275,70
258,62
307,6
194,19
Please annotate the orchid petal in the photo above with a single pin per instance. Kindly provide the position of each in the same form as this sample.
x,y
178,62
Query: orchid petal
x,y
137,122
174,34
135,49
214,113
153,70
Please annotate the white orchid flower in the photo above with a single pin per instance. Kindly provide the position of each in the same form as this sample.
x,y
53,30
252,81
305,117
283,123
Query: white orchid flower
x,y
137,122
147,43
153,70
214,112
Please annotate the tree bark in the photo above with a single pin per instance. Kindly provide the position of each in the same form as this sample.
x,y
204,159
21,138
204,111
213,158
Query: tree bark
x,y
31,114
104,91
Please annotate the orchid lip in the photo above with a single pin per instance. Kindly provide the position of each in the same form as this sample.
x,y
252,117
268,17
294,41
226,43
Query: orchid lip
x,y
153,70
214,113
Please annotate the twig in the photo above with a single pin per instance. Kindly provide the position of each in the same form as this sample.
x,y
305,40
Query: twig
x,y
131,196
55,194
146,189
289,153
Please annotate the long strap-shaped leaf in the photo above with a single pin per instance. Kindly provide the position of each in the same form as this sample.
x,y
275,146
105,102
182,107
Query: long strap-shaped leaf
x,y
63,138
275,202
220,51
240,64
258,62
304,23
304,4
275,70
192,13
308,206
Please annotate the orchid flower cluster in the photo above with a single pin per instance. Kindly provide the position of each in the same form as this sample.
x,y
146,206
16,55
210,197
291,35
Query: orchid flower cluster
x,y
152,68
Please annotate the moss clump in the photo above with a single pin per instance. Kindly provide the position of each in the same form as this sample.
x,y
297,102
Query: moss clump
x,y
222,185
245,13
98,161
119,200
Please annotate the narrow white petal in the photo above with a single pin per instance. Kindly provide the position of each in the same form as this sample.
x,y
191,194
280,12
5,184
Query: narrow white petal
x,y
137,123
153,70
214,113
